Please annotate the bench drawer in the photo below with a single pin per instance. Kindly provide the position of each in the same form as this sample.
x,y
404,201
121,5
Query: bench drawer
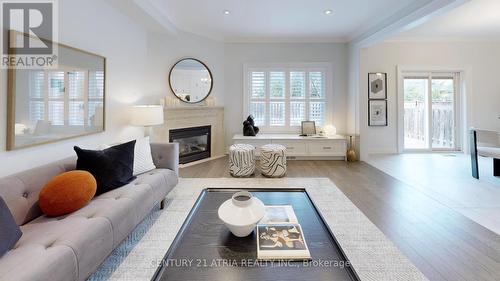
x,y
330,148
293,148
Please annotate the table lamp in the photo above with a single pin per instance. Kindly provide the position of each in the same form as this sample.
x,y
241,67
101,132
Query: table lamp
x,y
330,130
147,116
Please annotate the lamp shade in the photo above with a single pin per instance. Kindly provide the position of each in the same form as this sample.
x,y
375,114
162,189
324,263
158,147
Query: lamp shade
x,y
147,115
330,130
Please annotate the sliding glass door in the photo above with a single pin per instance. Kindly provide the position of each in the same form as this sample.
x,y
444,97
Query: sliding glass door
x,y
443,113
415,113
429,114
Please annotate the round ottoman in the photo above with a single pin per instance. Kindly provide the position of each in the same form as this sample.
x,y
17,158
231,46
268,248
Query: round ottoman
x,y
273,160
241,160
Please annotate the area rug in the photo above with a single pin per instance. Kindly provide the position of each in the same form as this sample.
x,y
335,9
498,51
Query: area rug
x,y
373,256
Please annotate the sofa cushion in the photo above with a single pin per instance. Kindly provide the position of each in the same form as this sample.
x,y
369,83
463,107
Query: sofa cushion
x,y
39,262
88,235
67,192
143,159
9,230
111,167
20,191
119,208
158,179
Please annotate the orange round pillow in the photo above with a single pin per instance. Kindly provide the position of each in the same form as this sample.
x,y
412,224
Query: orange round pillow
x,y
67,192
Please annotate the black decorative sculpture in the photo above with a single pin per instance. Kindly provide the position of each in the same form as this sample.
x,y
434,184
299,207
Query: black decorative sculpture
x,y
249,128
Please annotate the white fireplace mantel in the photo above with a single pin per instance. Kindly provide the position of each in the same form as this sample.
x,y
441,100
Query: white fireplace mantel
x,y
194,116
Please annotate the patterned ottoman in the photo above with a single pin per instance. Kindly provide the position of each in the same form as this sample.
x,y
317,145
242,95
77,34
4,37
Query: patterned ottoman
x,y
241,160
273,160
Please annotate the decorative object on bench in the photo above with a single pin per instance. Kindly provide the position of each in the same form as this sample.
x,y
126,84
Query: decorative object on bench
x,y
241,213
10,232
273,160
249,128
241,160
74,111
111,167
484,143
351,153
329,131
190,80
67,192
308,128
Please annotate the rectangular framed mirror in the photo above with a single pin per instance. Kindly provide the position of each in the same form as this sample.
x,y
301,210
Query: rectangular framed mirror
x,y
53,104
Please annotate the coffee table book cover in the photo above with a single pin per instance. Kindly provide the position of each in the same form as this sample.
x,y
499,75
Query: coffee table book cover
x,y
280,237
279,214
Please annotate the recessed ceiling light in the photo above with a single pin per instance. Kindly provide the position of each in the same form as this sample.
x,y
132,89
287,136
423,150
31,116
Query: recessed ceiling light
x,y
328,12
226,12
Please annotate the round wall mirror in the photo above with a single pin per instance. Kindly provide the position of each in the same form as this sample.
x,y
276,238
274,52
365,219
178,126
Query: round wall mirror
x,y
190,80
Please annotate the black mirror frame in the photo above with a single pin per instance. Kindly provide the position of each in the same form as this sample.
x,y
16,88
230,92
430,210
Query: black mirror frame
x,y
209,72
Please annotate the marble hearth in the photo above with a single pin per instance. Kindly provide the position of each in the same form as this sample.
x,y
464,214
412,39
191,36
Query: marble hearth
x,y
194,116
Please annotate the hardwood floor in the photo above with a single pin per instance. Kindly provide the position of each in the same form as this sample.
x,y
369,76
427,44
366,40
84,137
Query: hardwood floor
x,y
446,177
442,243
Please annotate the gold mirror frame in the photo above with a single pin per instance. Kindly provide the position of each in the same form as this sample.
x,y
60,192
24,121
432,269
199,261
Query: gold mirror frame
x,y
11,102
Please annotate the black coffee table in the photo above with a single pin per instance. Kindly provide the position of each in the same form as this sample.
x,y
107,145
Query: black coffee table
x,y
204,249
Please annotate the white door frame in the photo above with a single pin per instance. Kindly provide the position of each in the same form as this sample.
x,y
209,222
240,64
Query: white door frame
x,y
459,110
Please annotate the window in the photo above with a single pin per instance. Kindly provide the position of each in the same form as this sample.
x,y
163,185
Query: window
x,y
280,98
61,97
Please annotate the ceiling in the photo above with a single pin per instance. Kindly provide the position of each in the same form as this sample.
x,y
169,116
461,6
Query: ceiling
x,y
475,20
279,20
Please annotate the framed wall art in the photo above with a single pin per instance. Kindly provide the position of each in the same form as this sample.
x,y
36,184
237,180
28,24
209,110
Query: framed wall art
x,y
377,86
377,113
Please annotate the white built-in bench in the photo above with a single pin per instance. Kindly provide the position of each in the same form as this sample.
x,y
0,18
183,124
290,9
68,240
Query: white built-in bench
x,y
301,148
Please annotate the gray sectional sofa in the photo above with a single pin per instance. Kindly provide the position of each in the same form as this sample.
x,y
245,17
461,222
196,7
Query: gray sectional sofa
x,y
72,247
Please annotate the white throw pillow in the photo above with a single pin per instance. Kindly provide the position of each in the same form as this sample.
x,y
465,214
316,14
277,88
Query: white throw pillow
x,y
143,160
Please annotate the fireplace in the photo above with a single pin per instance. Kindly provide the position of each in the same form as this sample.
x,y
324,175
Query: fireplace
x,y
194,143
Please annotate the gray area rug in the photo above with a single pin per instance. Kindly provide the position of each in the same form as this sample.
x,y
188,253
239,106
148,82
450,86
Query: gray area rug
x,y
373,256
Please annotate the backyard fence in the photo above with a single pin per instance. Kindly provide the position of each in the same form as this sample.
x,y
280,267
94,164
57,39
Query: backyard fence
x,y
442,123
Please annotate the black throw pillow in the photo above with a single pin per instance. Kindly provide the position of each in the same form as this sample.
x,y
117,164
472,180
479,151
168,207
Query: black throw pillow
x,y
112,167
9,230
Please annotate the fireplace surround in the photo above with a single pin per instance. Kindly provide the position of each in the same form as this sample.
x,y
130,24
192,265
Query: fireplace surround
x,y
194,143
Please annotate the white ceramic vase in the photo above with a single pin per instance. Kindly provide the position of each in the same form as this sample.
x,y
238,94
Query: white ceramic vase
x,y
241,213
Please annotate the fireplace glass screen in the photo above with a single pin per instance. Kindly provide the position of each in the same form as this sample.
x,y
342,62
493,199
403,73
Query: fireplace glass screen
x,y
194,143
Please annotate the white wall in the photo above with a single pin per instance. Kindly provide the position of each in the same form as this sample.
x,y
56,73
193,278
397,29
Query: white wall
x,y
478,60
237,54
165,50
138,63
94,26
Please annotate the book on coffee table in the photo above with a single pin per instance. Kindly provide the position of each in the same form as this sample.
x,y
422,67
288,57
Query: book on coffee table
x,y
281,242
278,214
